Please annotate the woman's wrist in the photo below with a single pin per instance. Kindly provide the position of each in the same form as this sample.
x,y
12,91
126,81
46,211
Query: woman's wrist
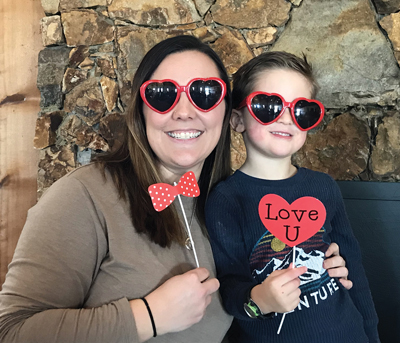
x,y
153,324
142,319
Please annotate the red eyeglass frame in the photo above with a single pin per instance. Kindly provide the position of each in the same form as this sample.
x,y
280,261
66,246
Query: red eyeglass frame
x,y
181,89
286,104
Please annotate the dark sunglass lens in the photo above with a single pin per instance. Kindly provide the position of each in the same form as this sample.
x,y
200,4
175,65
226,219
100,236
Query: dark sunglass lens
x,y
266,107
307,114
205,94
161,95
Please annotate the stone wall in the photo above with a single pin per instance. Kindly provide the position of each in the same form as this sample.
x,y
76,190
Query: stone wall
x,y
93,48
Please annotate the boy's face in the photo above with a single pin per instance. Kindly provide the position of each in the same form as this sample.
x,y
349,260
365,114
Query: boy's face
x,y
281,139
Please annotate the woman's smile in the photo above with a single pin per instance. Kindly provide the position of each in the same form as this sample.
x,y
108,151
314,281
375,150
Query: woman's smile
x,y
184,135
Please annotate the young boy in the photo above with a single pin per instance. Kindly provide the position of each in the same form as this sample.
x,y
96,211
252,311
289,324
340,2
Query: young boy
x,y
272,95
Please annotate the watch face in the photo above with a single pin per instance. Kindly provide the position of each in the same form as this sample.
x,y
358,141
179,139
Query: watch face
x,y
251,309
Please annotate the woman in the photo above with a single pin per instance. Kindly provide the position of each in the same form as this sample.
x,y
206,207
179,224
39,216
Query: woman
x,y
95,262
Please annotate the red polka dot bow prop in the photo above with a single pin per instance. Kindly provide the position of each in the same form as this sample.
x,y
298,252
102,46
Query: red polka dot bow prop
x,y
163,194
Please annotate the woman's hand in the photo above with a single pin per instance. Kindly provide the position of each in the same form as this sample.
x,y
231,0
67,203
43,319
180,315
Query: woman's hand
x,y
336,265
176,305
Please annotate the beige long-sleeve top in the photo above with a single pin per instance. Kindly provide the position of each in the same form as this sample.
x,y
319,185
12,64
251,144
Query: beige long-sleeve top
x,y
78,262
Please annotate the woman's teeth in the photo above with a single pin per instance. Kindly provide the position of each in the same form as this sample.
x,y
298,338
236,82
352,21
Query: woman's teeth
x,y
281,134
184,135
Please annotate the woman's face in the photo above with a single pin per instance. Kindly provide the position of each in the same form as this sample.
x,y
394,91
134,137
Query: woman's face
x,y
184,137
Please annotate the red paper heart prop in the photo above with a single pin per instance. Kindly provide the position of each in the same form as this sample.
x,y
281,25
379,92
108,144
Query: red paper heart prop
x,y
292,223
163,194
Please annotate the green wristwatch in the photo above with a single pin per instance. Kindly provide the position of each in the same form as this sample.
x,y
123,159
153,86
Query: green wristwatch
x,y
253,311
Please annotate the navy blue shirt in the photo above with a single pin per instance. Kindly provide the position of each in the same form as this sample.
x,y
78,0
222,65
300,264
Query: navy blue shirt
x,y
245,253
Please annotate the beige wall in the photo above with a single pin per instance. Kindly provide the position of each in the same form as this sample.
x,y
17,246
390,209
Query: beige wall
x,y
20,43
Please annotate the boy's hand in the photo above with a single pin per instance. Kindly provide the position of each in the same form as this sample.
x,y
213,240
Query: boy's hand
x,y
280,291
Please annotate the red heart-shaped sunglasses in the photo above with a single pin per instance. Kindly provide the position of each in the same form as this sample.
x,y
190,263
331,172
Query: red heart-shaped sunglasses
x,y
162,95
267,108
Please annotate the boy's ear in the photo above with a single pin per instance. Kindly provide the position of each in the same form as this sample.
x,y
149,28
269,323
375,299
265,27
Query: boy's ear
x,y
237,123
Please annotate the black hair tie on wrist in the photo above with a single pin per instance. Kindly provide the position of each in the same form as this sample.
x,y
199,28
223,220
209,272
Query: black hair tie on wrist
x,y
151,317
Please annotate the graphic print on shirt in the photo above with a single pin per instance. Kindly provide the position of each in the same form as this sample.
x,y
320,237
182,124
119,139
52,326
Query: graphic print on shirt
x,y
270,254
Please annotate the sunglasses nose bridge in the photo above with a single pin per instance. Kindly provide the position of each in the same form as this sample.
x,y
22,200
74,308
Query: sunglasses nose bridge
x,y
183,108
286,115
183,90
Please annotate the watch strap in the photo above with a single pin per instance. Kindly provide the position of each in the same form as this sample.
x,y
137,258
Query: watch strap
x,y
253,311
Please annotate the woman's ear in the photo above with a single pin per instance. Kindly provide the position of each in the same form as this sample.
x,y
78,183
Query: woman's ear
x,y
237,122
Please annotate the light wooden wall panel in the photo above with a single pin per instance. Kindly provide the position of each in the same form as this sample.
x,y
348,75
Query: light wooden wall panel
x,y
20,43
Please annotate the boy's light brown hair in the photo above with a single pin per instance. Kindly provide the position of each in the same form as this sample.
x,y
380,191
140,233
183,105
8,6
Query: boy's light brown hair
x,y
247,75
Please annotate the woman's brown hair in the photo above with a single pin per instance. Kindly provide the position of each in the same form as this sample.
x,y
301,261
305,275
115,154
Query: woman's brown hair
x,y
133,166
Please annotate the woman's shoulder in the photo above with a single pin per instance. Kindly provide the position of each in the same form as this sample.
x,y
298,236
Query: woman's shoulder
x,y
88,172
89,175
82,181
